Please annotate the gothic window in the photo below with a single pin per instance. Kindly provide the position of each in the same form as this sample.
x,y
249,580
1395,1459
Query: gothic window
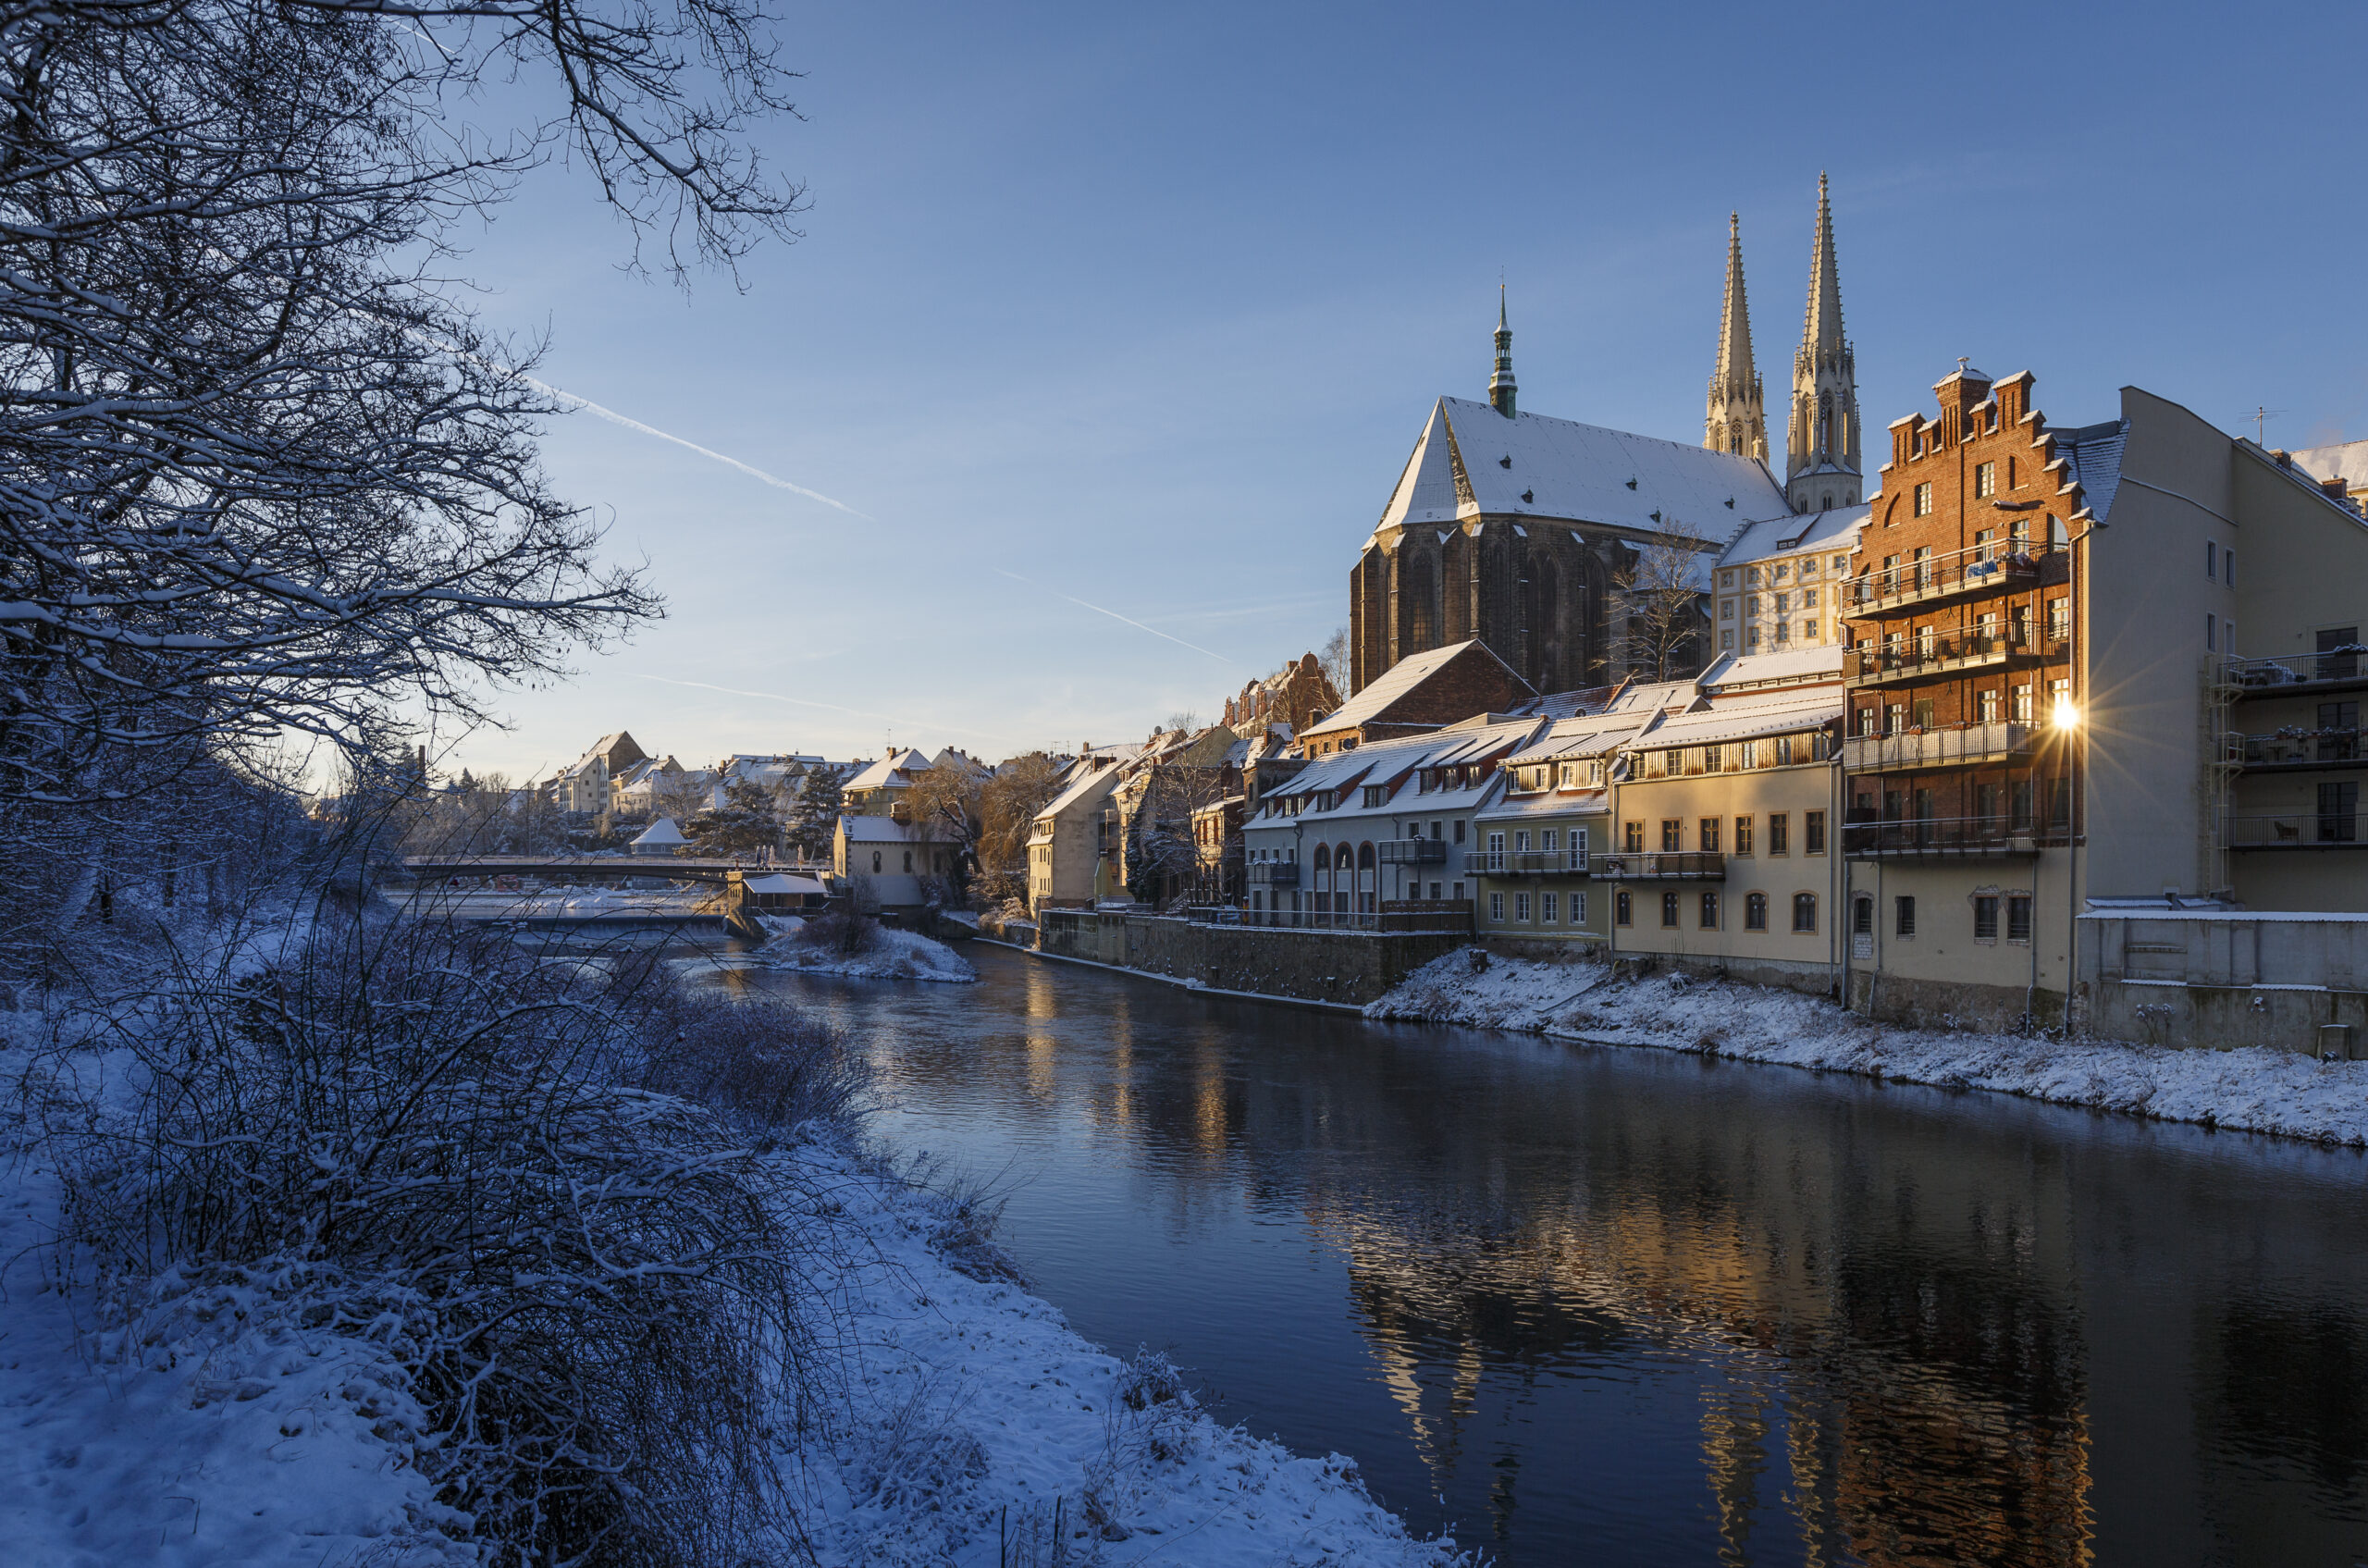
x,y
1825,424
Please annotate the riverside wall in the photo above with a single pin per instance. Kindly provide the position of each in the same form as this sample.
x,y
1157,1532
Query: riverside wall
x,y
1346,967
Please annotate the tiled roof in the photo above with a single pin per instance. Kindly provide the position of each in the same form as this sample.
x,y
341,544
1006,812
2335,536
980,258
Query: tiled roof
x,y
1396,682
1835,530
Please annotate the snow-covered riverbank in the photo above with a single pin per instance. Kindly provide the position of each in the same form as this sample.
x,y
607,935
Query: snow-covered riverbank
x,y
886,954
963,1418
2251,1090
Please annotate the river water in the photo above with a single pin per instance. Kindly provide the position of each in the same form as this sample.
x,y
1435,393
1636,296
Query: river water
x,y
1623,1306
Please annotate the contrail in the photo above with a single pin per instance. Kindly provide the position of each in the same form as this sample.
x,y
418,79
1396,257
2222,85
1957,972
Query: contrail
x,y
614,417
828,707
1154,631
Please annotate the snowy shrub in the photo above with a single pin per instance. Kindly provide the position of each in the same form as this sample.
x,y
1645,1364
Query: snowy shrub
x,y
527,1197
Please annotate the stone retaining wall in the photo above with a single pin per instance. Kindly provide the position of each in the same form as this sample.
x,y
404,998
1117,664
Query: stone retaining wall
x,y
1347,967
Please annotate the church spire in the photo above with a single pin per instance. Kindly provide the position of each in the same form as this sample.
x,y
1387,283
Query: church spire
x,y
1736,420
1823,466
1500,384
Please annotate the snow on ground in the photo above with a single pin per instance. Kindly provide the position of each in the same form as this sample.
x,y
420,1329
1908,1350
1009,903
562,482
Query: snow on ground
x,y
889,954
2251,1089
986,1411
964,1413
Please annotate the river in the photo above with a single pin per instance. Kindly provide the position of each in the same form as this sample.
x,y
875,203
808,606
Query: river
x,y
1625,1306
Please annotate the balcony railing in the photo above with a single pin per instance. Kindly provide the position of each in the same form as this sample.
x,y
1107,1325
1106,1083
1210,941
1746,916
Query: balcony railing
x,y
1526,862
1413,852
1663,865
1945,656
2297,673
1958,748
1940,839
1404,915
2296,830
2297,749
1962,573
1274,873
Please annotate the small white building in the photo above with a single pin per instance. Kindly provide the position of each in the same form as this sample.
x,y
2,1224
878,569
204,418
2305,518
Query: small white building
x,y
660,837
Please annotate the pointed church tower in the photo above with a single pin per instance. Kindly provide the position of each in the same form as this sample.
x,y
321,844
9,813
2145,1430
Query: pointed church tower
x,y
1500,384
1737,416
1823,465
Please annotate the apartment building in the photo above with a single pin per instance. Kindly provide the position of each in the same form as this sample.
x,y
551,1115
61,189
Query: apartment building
x,y
1531,856
2043,679
1779,583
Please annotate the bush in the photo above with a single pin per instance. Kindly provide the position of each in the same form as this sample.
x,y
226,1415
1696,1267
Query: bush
x,y
533,1195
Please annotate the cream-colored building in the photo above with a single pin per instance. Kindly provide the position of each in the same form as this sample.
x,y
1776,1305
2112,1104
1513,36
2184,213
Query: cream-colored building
x,y
1070,843
1779,583
1536,847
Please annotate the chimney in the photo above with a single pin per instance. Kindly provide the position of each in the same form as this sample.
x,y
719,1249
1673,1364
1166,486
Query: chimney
x,y
2285,459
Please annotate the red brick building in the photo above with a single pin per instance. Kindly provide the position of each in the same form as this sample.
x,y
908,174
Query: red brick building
x,y
1442,686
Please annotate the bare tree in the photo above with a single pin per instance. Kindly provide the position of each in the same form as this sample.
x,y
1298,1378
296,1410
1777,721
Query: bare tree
x,y
1660,589
1007,807
259,472
943,801
1334,658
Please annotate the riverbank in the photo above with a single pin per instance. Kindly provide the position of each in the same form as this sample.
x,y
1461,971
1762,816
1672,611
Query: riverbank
x,y
2248,1089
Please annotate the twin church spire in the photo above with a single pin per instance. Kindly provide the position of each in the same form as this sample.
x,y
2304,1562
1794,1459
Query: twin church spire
x,y
1824,465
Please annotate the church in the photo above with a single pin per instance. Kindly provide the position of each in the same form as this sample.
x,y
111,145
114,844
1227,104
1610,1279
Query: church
x,y
1534,535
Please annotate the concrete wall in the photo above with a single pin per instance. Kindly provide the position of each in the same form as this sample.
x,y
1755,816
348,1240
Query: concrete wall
x,y
2222,979
1350,967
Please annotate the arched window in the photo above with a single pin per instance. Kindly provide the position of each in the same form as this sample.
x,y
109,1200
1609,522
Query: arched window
x,y
1805,911
1364,879
1344,883
875,860
1825,421
908,862
1755,911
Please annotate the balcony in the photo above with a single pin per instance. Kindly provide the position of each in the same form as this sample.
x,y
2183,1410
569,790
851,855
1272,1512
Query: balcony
x,y
2297,751
1663,865
1962,748
1941,579
2296,830
1413,852
1958,654
1939,838
1274,873
1526,862
2300,674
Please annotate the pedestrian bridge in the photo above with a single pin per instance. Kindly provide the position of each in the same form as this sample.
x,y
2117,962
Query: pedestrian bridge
x,y
598,868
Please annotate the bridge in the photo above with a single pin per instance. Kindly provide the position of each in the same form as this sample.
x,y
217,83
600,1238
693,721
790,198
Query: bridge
x,y
599,868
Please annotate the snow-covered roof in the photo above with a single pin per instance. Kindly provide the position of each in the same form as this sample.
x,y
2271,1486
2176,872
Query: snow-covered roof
x,y
2347,461
660,834
882,774
881,830
1581,737
1083,784
1652,697
2093,457
1544,803
1744,720
1396,682
1472,460
781,881
1835,530
1392,762
1815,662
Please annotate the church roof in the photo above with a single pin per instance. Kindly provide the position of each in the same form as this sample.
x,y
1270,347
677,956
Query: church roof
x,y
1472,460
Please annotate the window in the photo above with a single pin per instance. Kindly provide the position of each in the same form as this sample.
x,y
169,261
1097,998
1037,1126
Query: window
x,y
1458,893
1622,909
2212,559
1377,794
1726,609
1520,842
1841,563
1779,825
875,860
1862,916
1894,718
1495,908
1903,915
1435,891
2019,805
1726,641
1990,699
1669,910
1924,499
1708,829
1985,480
1812,833
1755,911
1709,911
2211,632
1805,911
1579,908
1727,578
1520,908
1672,833
2338,653
2059,802
1743,836
1434,830
1459,835
2059,619
1546,909
2228,567
2018,917
2339,732
2338,813
1985,543
1549,844
2023,703
1985,916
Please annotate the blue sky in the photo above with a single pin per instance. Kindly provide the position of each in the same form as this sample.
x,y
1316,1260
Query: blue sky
x,y
1146,306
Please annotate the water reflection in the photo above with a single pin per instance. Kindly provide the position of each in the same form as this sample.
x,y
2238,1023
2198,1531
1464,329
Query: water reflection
x,y
1633,1307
